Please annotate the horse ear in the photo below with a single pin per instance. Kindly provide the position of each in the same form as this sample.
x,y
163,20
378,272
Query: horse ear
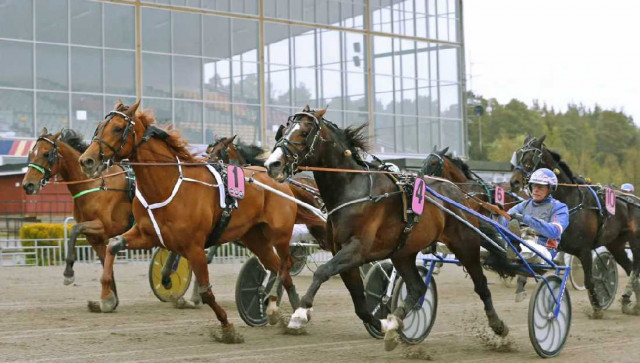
x,y
444,151
132,109
279,133
229,140
541,140
320,113
435,148
44,131
306,109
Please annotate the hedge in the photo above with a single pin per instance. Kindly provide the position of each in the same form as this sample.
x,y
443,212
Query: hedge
x,y
42,231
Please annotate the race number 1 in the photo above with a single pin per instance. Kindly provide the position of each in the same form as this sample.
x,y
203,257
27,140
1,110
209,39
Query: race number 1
x,y
499,196
417,202
235,181
610,200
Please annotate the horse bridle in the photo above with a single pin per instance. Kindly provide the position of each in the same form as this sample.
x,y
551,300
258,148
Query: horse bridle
x,y
291,149
439,168
125,134
224,153
537,158
46,172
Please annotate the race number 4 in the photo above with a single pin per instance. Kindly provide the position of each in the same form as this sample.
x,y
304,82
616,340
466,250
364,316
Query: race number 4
x,y
499,196
610,201
417,202
235,181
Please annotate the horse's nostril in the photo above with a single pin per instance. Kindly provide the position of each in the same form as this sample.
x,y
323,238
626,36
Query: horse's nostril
x,y
88,162
276,164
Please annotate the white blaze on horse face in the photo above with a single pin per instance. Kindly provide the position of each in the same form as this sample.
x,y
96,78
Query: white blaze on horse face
x,y
275,156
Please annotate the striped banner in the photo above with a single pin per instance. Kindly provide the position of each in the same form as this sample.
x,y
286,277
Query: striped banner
x,y
16,147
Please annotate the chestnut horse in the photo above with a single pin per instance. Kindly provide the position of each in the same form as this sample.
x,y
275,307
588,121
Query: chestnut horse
x,y
303,187
588,229
365,221
101,208
262,220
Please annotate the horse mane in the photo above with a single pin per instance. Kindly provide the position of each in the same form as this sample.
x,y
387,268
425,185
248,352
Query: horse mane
x,y
74,139
557,158
172,137
252,154
460,164
352,137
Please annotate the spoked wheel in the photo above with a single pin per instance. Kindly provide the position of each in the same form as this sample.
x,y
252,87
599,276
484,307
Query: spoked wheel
x,y
577,273
299,256
418,322
251,292
180,276
376,283
605,278
548,333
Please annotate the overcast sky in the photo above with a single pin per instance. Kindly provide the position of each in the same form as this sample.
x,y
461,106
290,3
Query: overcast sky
x,y
555,51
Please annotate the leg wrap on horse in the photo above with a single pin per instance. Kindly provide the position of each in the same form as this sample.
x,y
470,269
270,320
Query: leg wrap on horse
x,y
204,289
117,244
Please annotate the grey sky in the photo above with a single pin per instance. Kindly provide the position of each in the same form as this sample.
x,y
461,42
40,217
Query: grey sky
x,y
555,51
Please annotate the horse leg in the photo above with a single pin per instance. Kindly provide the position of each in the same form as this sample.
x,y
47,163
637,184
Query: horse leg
x,y
406,267
254,239
350,256
353,281
618,251
585,259
198,261
521,293
68,274
469,256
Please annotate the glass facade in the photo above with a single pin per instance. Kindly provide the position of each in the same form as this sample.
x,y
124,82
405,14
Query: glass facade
x,y
220,67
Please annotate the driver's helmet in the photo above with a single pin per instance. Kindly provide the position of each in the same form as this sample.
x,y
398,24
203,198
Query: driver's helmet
x,y
544,176
627,187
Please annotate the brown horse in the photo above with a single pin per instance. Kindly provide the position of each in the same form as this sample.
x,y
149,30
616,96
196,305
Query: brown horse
x,y
366,219
262,220
101,208
588,227
303,187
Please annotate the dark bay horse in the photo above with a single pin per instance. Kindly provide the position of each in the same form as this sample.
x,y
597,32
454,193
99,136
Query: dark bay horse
x,y
588,229
303,187
366,219
175,211
101,208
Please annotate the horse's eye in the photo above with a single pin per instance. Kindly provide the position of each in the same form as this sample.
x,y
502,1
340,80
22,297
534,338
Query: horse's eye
x,y
305,134
46,155
117,129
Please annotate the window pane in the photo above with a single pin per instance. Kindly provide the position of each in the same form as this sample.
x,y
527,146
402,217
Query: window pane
x,y
186,33
161,110
53,111
217,80
217,43
217,121
247,123
385,132
86,23
16,17
276,116
156,30
245,39
17,69
245,6
16,112
187,77
119,21
51,21
86,112
52,67
189,120
86,70
279,91
120,72
246,88
448,64
304,86
156,75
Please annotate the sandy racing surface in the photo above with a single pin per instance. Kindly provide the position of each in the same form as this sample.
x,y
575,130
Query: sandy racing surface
x,y
42,320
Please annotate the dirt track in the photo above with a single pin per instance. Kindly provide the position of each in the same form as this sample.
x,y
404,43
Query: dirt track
x,y
42,320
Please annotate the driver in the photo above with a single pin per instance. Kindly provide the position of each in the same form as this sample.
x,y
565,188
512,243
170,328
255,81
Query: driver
x,y
542,218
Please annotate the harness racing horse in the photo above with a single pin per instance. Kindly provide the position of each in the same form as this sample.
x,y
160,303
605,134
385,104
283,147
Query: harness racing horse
x,y
166,211
365,219
101,208
304,188
588,227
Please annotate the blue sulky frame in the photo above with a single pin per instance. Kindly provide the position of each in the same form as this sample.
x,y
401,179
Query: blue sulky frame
x,y
504,232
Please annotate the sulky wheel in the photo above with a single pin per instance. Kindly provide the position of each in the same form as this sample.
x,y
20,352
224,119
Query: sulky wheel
x,y
378,302
577,273
180,276
299,256
419,321
251,292
605,278
547,333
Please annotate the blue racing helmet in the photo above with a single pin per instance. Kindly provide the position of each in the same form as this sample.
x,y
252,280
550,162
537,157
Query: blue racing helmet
x,y
544,176
627,187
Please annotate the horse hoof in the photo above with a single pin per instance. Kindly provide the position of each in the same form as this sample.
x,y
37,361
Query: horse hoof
x,y
299,319
596,314
182,303
629,310
273,315
167,284
521,296
503,331
229,335
69,280
93,306
108,305
391,340
390,327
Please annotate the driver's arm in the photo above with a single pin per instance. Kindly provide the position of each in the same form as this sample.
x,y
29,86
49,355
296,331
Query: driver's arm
x,y
559,222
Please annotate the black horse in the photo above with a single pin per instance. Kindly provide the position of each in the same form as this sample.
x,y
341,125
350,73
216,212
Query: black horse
x,y
590,227
366,219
